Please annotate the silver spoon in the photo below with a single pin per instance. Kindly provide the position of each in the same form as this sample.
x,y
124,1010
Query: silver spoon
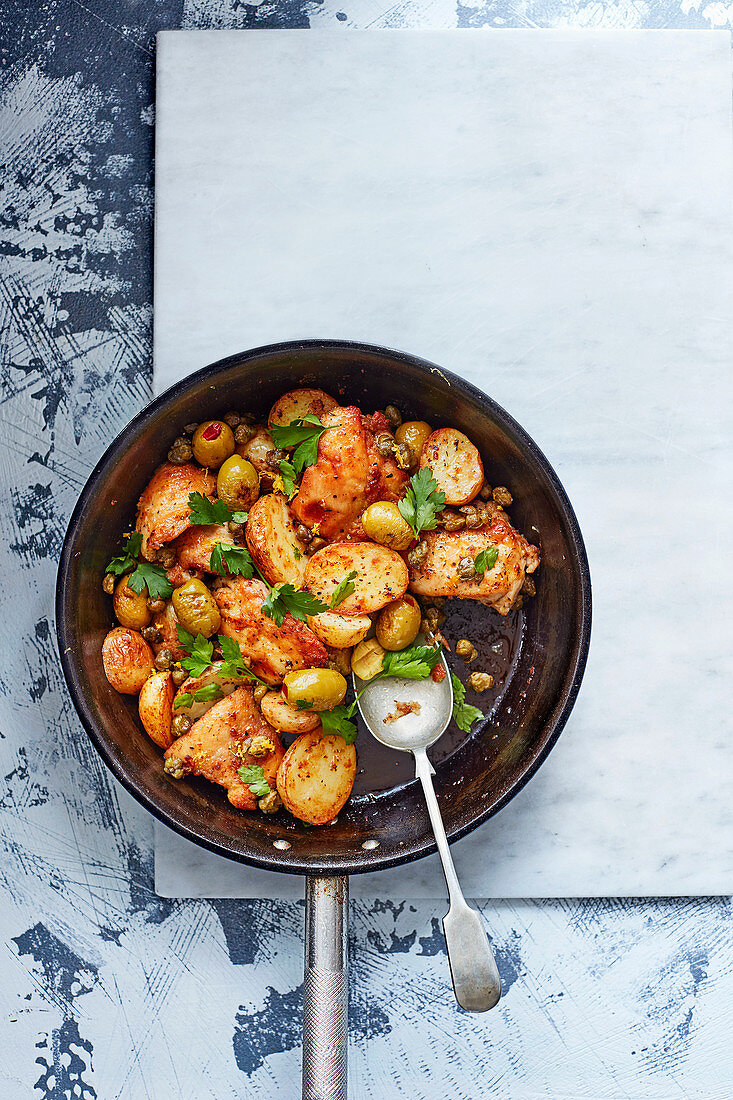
x,y
473,970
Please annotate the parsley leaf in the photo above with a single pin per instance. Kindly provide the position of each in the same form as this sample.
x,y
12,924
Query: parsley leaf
x,y
414,663
199,649
422,502
208,512
153,578
485,559
204,694
284,598
254,777
127,559
344,588
287,474
338,720
227,558
233,666
303,434
464,715
297,554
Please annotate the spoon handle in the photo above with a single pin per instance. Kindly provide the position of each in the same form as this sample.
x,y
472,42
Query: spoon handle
x,y
473,970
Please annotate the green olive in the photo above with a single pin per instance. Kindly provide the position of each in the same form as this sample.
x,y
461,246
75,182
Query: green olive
x,y
398,624
321,688
213,441
383,523
414,434
366,660
131,608
196,608
237,483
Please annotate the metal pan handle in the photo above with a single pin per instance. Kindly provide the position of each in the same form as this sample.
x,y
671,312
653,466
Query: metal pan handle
x,y
326,989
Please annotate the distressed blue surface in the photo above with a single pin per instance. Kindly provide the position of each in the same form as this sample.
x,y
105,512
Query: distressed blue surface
x,y
107,990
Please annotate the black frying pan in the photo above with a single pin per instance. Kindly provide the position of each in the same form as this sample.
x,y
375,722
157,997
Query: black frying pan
x,y
482,772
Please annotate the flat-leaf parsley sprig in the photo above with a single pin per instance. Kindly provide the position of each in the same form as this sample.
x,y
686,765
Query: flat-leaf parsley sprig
x,y
464,714
485,560
207,512
303,434
284,598
422,502
200,656
206,694
230,560
343,589
254,777
144,573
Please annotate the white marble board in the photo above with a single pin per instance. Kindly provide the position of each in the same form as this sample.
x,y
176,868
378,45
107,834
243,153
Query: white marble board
x,y
547,214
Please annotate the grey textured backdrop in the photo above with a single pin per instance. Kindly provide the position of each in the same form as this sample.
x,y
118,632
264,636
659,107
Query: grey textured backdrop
x,y
107,990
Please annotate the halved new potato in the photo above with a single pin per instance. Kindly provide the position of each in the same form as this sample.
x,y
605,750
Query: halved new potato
x,y
127,660
340,631
272,542
194,683
300,403
156,708
315,777
381,575
455,464
285,718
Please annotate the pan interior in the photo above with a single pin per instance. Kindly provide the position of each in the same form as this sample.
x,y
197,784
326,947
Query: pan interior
x,y
537,655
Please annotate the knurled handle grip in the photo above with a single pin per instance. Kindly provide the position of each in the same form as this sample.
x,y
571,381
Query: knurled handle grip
x,y
326,989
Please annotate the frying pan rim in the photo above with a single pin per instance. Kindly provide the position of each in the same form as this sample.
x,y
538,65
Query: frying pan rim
x,y
372,861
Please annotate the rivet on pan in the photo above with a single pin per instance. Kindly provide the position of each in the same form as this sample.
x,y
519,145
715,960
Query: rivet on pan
x,y
369,845
281,844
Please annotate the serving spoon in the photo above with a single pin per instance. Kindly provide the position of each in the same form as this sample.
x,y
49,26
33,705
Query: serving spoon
x,y
473,970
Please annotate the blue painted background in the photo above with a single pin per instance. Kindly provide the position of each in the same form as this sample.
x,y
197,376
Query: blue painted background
x,y
107,990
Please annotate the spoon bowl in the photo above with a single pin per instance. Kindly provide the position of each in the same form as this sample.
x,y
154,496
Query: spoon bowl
x,y
418,728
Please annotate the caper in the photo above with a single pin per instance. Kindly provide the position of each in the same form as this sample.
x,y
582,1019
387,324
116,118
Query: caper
x,y
156,606
417,555
237,483
196,608
235,528
304,533
213,442
473,519
339,660
131,608
435,617
108,584
367,658
274,457
384,523
485,491
529,588
260,746
260,692
316,544
179,675
174,768
451,521
163,660
151,634
181,724
243,433
384,442
502,496
398,624
270,804
180,453
321,688
166,557
394,416
466,649
480,681
232,419
402,456
466,569
189,429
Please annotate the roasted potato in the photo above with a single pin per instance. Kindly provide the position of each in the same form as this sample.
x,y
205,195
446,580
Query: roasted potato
x,y
315,777
455,464
127,660
300,403
272,542
198,707
155,705
381,575
340,631
286,718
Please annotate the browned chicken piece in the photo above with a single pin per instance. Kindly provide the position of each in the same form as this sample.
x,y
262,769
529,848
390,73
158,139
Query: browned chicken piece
x,y
166,621
274,650
438,575
194,546
218,744
163,511
348,475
